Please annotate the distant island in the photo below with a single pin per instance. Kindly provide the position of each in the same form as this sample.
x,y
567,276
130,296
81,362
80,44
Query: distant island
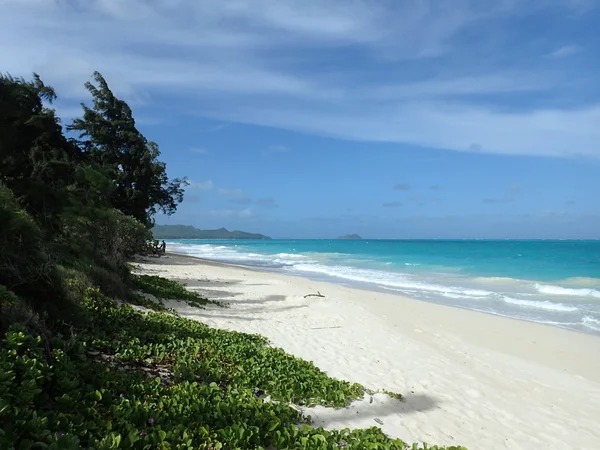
x,y
190,232
350,236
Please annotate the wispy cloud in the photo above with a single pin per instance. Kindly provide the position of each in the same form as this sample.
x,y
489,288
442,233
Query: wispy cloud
x,y
402,187
236,62
268,202
236,196
241,200
497,200
198,151
436,187
239,213
510,196
564,51
275,149
207,185
216,128
231,193
392,204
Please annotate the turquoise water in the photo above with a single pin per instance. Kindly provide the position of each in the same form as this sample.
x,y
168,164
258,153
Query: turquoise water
x,y
552,282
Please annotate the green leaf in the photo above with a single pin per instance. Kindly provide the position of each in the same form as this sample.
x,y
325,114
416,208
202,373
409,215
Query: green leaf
x,y
25,444
273,424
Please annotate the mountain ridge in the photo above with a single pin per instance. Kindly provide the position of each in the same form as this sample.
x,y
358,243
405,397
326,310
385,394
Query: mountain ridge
x,y
191,232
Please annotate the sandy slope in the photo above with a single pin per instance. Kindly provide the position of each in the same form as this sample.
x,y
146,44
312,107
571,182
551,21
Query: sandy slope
x,y
469,378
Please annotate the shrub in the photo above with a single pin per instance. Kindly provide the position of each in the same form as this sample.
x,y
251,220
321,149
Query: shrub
x,y
165,289
26,268
107,237
8,300
111,283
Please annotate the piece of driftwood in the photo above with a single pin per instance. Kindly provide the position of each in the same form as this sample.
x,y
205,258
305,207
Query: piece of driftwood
x,y
323,328
314,295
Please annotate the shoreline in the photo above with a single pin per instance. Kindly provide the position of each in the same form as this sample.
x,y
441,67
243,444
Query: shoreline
x,y
468,378
567,303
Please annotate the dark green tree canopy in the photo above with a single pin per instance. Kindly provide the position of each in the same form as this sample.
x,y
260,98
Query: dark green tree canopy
x,y
73,205
36,159
109,136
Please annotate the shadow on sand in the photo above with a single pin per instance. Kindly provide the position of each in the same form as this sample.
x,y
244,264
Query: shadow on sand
x,y
362,410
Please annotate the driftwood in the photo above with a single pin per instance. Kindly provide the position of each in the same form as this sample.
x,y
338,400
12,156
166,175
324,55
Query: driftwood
x,y
323,328
314,295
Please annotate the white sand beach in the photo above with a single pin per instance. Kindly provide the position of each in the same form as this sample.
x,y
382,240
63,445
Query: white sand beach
x,y
468,378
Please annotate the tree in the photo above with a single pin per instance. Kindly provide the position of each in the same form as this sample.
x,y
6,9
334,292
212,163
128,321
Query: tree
x,y
36,159
108,134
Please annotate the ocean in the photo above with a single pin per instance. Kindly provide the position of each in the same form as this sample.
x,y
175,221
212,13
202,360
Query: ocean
x,y
551,282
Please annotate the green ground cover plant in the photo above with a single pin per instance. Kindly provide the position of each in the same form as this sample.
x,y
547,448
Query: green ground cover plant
x,y
154,380
164,289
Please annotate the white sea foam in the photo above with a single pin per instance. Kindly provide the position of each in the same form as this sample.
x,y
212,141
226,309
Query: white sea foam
x,y
542,304
559,290
591,323
387,279
229,254
290,256
454,295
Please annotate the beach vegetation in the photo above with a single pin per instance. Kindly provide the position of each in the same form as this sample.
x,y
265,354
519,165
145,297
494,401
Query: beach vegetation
x,y
110,138
165,289
82,368
154,380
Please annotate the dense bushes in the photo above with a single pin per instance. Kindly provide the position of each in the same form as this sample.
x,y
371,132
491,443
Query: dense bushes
x,y
26,268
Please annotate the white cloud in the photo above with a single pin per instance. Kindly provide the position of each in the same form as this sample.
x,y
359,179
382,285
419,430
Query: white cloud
x,y
551,132
231,193
207,185
564,51
261,63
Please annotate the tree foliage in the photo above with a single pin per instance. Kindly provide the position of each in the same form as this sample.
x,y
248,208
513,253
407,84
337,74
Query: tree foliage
x,y
81,204
109,136
36,159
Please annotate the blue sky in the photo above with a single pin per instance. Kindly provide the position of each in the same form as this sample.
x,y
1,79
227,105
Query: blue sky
x,y
450,119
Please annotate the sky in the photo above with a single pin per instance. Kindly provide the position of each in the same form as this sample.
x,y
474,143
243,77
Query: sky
x,y
313,119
